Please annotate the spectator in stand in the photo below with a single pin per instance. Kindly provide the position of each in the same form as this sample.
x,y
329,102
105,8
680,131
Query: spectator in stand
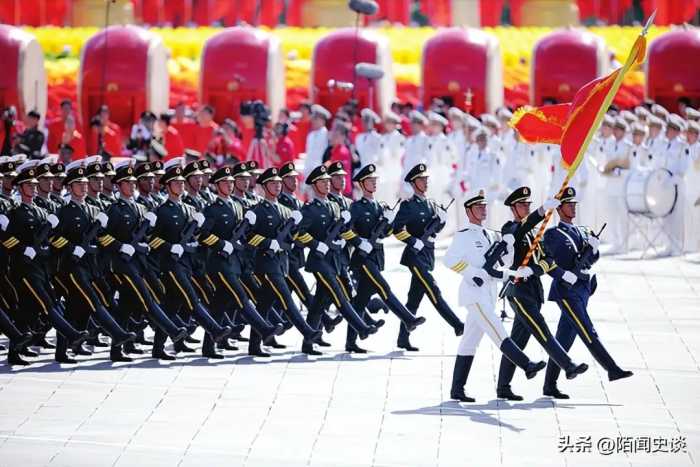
x,y
400,109
71,136
285,116
247,128
9,130
31,140
227,147
169,136
65,154
105,135
141,135
339,150
284,145
204,131
184,124
56,126
303,124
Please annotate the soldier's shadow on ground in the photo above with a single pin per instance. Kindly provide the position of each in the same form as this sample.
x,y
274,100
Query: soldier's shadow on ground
x,y
481,413
46,364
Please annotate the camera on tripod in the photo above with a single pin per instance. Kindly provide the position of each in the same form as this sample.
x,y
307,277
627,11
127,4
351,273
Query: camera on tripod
x,y
260,113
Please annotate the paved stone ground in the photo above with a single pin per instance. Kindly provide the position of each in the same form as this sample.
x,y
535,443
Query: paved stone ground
x,y
385,409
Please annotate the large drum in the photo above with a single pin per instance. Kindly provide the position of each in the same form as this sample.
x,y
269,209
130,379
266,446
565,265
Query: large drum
x,y
554,75
464,68
23,81
126,68
241,64
650,193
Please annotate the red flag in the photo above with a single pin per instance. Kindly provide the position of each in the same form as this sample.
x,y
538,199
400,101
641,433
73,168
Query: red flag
x,y
572,125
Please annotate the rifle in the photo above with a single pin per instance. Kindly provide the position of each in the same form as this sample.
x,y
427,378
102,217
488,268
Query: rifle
x,y
333,232
493,255
40,238
137,238
186,237
89,237
284,235
584,260
239,232
379,230
433,226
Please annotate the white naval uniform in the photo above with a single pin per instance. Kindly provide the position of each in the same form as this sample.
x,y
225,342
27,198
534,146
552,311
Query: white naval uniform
x,y
692,178
466,257
369,146
616,207
657,149
416,153
639,158
389,166
580,181
677,161
483,172
441,159
316,144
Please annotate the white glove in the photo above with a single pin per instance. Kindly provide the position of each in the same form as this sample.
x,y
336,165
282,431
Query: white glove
x,y
418,245
389,215
322,248
442,215
198,218
151,218
30,252
53,220
522,272
569,277
144,246
365,246
274,246
594,242
78,251
4,222
296,215
127,249
177,250
345,215
551,203
339,243
102,219
228,247
193,244
509,239
250,217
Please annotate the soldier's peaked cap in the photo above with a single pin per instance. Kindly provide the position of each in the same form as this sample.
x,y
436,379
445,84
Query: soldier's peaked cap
x,y
519,195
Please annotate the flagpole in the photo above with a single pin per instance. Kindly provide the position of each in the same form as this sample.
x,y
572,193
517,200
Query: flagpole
x,y
631,59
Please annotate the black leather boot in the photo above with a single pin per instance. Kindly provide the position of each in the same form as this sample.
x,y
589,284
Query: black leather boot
x,y
463,364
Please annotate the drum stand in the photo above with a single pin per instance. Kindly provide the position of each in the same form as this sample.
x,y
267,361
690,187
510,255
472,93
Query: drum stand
x,y
651,230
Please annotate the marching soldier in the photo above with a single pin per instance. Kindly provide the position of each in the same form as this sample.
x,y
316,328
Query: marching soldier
x,y
320,229
271,235
207,172
527,296
158,192
172,241
477,293
224,240
417,223
338,181
75,239
575,250
372,223
59,172
297,260
125,241
26,238
107,194
145,180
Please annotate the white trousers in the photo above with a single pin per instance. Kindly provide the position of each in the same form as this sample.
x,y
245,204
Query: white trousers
x,y
481,318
